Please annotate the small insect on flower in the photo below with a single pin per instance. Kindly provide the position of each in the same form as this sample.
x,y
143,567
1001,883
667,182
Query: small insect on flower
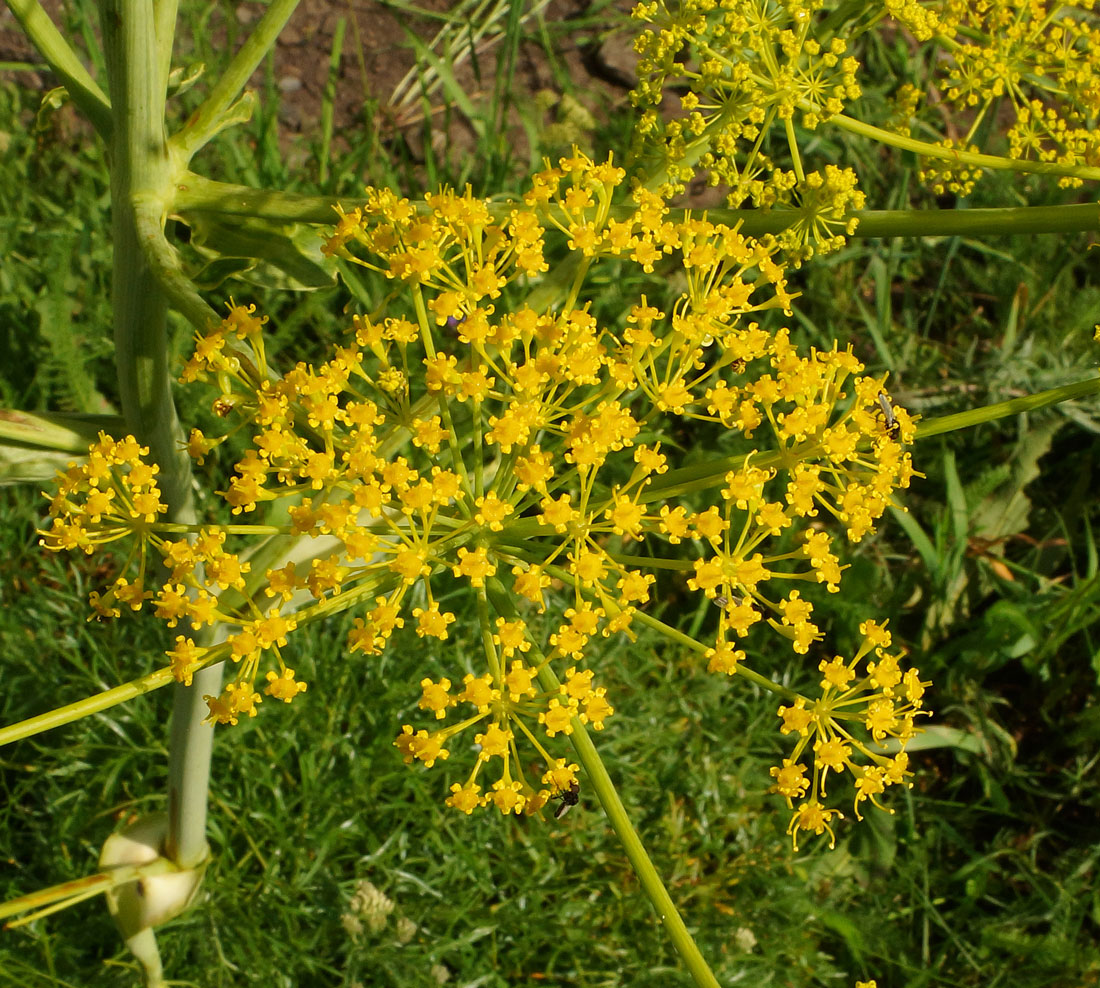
x,y
569,798
726,603
889,419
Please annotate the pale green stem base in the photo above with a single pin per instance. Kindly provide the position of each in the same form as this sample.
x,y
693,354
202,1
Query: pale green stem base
x,y
189,754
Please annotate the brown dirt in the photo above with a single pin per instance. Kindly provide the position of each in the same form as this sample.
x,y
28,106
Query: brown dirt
x,y
376,55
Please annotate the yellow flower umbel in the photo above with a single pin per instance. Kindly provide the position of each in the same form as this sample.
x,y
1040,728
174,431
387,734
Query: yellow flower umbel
x,y
112,496
1032,62
833,450
752,74
878,702
480,436
750,67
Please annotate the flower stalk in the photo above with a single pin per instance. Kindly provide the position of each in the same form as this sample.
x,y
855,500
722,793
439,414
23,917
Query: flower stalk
x,y
142,175
596,775
61,58
1002,409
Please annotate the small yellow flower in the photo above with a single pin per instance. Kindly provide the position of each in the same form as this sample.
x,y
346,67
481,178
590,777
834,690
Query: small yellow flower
x,y
435,697
812,816
283,686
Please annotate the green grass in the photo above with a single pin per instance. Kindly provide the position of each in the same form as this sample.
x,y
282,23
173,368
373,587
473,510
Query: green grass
x,y
985,876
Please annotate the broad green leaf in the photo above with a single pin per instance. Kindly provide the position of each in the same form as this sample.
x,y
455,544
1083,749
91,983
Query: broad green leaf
x,y
283,256
34,446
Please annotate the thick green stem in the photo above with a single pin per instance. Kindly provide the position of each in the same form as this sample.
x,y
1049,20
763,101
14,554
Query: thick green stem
x,y
140,176
196,194
190,751
141,182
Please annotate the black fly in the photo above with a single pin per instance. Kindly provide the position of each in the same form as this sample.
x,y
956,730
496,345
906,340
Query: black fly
x,y
889,419
569,798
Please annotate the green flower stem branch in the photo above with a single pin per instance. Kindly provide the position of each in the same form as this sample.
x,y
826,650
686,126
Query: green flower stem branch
x,y
195,194
165,677
742,670
1002,409
217,110
997,221
705,475
87,707
712,473
596,775
974,159
44,902
60,57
